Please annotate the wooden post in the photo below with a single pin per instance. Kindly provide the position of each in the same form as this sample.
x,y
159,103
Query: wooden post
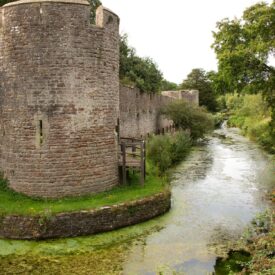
x,y
123,148
144,144
142,168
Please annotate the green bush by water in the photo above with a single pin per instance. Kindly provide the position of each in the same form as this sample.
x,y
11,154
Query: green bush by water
x,y
235,263
188,116
252,115
167,150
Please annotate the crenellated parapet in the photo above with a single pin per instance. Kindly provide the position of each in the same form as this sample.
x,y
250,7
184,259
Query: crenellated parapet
x,y
59,97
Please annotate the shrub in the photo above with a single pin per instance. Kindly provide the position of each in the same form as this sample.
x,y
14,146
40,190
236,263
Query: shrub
x,y
221,103
180,146
187,116
164,151
233,101
158,151
218,119
3,182
252,115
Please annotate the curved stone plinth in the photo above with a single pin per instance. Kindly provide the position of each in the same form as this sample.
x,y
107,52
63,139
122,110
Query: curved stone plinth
x,y
86,222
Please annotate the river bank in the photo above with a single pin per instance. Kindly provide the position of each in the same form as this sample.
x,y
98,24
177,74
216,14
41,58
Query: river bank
x,y
253,253
216,192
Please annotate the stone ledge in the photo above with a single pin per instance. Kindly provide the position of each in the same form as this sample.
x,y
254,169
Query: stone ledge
x,y
86,222
80,2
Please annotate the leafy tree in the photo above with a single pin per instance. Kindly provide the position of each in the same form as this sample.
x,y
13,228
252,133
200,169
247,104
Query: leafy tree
x,y
200,80
134,70
168,86
188,116
243,48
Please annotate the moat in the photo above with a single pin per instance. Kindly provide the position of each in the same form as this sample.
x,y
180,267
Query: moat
x,y
216,192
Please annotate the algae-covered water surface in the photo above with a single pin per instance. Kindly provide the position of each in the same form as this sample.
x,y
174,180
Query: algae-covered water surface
x,y
216,192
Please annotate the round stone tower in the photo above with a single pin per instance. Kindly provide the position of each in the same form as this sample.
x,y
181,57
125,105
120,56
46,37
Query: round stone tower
x,y
59,97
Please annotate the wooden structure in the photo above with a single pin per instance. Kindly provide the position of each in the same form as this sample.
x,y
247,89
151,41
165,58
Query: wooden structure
x,y
132,156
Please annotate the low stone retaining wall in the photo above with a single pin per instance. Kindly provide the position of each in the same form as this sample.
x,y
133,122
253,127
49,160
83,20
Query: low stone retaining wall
x,y
86,222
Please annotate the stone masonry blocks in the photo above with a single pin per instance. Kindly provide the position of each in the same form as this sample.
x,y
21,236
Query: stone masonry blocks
x,y
59,98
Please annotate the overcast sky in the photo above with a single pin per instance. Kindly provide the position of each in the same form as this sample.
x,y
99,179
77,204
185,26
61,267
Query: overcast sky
x,y
177,34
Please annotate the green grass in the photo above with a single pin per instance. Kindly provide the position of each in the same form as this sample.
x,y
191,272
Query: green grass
x,y
18,204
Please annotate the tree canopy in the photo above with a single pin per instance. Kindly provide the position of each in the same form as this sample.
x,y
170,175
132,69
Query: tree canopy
x,y
244,47
168,86
190,117
200,80
138,71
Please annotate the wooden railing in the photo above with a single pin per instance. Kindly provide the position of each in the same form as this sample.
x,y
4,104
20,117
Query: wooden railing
x,y
132,156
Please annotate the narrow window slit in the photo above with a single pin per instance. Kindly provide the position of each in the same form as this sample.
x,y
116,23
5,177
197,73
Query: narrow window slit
x,y
41,131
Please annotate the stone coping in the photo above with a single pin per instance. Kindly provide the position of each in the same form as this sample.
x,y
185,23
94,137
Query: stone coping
x,y
85,222
80,2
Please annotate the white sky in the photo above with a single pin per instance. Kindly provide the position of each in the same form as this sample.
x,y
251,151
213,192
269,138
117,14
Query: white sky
x,y
177,34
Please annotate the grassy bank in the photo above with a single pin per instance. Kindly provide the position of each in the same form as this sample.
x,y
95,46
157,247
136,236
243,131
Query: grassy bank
x,y
15,203
251,114
163,152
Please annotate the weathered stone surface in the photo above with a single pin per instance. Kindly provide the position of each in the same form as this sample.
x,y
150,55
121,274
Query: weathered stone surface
x,y
139,113
60,101
59,97
85,222
191,96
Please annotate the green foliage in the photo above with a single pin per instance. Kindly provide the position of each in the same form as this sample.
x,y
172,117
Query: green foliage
x,y
180,146
137,71
3,182
15,203
165,151
233,101
190,117
255,254
200,80
259,240
235,263
252,114
94,5
218,119
159,152
221,103
243,47
168,86
4,2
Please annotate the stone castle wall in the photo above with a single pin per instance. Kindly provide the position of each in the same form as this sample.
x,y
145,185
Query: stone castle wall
x,y
191,96
139,113
59,97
